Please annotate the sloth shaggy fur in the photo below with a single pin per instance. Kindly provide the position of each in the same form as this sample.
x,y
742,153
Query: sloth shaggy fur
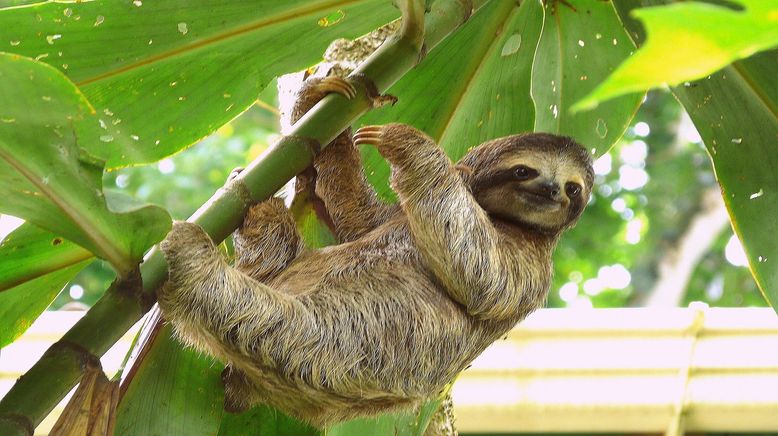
x,y
414,292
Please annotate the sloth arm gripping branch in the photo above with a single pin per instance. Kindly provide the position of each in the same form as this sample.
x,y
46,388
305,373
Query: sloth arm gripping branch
x,y
351,202
478,268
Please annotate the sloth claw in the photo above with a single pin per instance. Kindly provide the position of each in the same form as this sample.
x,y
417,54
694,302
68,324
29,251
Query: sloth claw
x,y
234,173
333,84
372,135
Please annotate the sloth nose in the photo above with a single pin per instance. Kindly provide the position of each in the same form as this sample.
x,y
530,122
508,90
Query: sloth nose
x,y
550,189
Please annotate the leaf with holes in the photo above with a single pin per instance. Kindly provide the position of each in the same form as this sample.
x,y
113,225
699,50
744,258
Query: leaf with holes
x,y
582,41
29,253
162,75
34,266
735,111
712,36
47,179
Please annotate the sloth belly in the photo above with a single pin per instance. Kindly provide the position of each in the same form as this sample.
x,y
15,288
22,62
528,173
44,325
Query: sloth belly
x,y
386,339
372,352
379,333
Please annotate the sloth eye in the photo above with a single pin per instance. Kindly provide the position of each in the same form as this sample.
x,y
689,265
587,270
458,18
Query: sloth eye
x,y
524,173
573,189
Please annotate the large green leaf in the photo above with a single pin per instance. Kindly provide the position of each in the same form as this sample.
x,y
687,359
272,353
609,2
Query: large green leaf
x,y
712,36
402,423
473,87
735,111
736,114
34,266
21,305
177,392
29,253
263,420
582,42
162,75
46,178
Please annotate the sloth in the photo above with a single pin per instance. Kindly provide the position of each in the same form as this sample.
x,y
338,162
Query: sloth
x,y
413,293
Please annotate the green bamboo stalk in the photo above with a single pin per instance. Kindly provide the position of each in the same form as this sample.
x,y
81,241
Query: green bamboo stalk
x,y
37,392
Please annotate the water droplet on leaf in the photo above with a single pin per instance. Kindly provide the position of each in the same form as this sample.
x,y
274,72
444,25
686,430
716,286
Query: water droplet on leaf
x,y
512,45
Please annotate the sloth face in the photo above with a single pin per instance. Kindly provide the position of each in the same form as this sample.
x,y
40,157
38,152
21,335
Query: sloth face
x,y
534,180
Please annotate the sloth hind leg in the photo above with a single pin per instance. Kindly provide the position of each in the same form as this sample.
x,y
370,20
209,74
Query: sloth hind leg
x,y
267,241
223,312
213,306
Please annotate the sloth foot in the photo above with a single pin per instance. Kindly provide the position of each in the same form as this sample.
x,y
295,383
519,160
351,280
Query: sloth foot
x,y
389,134
271,211
315,89
234,173
191,257
372,135
395,141
187,243
333,84
394,134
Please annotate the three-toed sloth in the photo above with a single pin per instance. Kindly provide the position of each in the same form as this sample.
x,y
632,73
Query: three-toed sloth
x,y
414,292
